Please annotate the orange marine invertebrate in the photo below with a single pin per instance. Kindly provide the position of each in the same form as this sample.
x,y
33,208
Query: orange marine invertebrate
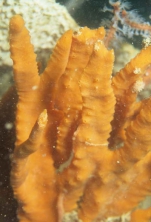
x,y
82,141
141,215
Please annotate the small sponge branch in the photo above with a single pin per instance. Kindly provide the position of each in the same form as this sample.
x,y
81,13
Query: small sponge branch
x,y
16,24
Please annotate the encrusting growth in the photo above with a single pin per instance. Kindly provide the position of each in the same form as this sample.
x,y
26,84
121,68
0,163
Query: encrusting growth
x,y
70,120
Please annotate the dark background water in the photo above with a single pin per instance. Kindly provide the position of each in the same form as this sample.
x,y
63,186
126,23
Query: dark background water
x,y
90,13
